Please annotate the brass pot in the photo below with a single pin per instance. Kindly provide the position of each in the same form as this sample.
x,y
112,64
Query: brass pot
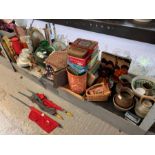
x,y
125,97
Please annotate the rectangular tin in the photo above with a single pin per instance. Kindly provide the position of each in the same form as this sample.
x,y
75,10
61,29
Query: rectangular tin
x,y
90,45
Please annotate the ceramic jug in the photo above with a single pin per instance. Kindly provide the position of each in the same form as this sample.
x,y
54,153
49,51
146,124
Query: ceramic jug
x,y
144,105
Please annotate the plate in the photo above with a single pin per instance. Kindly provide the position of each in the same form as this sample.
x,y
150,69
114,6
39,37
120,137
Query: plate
x,y
36,37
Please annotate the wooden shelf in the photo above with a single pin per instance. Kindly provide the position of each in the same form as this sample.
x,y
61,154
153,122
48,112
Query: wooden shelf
x,y
121,28
104,111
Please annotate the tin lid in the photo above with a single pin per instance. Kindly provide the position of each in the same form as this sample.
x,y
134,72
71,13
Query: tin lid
x,y
77,52
84,43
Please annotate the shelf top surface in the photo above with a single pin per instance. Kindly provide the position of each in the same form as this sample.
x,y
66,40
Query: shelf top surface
x,y
150,26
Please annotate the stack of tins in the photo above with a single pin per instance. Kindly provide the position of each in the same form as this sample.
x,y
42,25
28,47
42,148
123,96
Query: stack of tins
x,y
82,62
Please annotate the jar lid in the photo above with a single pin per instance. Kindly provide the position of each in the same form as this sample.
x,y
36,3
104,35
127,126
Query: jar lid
x,y
140,91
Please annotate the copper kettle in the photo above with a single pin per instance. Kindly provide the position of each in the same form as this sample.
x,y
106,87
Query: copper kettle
x,y
144,105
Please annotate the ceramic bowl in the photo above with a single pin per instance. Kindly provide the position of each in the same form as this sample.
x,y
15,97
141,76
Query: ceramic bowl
x,y
146,83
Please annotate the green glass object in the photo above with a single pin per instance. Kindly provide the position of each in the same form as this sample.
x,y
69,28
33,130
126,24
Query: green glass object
x,y
42,52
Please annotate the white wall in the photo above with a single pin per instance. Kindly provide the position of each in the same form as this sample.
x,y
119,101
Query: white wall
x,y
120,46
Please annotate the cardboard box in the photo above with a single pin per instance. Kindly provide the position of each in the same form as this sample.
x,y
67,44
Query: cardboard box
x,y
115,59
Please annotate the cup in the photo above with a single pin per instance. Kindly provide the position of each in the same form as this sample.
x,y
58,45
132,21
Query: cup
x,y
144,105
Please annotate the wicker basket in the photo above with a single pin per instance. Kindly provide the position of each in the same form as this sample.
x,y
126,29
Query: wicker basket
x,y
98,97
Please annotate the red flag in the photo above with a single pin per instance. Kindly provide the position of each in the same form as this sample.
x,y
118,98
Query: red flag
x,y
49,103
45,122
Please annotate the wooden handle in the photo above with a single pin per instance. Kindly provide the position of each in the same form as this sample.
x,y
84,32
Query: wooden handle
x,y
147,97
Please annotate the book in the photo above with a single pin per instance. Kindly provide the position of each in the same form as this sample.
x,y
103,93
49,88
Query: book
x,y
94,69
93,60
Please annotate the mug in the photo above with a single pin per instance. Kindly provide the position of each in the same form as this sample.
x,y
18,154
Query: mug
x,y
125,97
144,105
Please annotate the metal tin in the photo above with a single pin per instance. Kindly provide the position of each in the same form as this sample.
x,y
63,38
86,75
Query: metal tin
x,y
79,61
90,45
78,68
77,52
